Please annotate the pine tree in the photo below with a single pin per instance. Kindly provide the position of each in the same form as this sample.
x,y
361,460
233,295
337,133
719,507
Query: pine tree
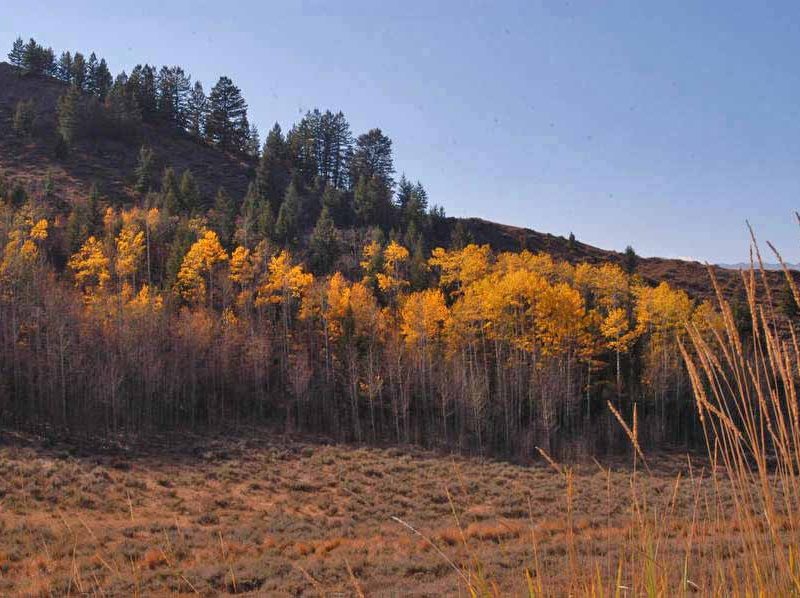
x,y
79,71
169,191
91,75
227,111
323,244
253,143
65,67
17,55
196,111
373,204
287,224
102,80
630,260
222,216
69,115
272,174
23,120
143,172
334,200
189,193
372,157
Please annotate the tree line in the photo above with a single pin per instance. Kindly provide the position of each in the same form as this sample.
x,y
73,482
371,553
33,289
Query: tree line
x,y
152,322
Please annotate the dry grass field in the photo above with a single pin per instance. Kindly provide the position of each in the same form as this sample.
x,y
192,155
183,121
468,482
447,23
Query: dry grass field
x,y
293,518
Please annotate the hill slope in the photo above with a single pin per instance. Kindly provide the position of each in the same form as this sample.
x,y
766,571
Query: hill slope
x,y
110,164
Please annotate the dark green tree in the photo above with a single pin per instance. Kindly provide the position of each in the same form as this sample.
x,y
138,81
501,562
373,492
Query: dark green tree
x,y
23,119
196,111
272,174
630,260
69,115
227,110
189,193
65,67
222,217
372,157
287,224
17,55
170,192
144,170
79,71
373,203
324,244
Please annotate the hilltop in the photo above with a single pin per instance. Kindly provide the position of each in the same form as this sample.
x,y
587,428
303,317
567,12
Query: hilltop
x,y
110,163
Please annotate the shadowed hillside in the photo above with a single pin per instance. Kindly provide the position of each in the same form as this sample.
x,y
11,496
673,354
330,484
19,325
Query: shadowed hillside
x,y
106,162
110,164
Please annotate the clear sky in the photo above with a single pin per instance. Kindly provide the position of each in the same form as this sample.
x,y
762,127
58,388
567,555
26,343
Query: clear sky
x,y
664,125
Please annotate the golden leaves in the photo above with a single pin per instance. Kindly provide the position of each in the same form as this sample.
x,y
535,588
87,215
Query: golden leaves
x,y
423,316
198,263
283,280
90,266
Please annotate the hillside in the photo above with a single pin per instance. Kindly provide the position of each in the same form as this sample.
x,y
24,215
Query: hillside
x,y
110,164
106,162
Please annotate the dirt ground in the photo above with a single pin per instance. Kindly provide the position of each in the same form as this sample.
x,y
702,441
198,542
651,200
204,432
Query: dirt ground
x,y
282,517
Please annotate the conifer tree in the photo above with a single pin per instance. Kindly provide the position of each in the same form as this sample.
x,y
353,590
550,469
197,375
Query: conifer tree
x,y
143,172
373,204
91,75
323,243
630,260
170,192
372,157
69,116
79,71
65,67
287,223
16,56
227,112
196,111
189,193
23,119
222,216
272,174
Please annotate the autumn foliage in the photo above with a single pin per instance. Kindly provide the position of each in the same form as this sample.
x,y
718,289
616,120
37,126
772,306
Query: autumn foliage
x,y
501,352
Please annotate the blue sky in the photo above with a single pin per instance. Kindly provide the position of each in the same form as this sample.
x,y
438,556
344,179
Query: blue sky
x,y
664,125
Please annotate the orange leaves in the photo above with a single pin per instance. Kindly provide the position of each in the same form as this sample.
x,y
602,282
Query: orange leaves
x,y
283,280
391,280
662,309
423,316
130,249
459,269
199,263
91,267
350,307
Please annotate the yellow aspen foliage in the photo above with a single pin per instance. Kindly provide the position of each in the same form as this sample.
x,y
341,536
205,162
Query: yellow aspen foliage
x,y
370,256
21,253
462,268
241,268
391,280
145,301
130,249
39,230
662,309
90,266
616,329
198,264
559,318
423,316
283,280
